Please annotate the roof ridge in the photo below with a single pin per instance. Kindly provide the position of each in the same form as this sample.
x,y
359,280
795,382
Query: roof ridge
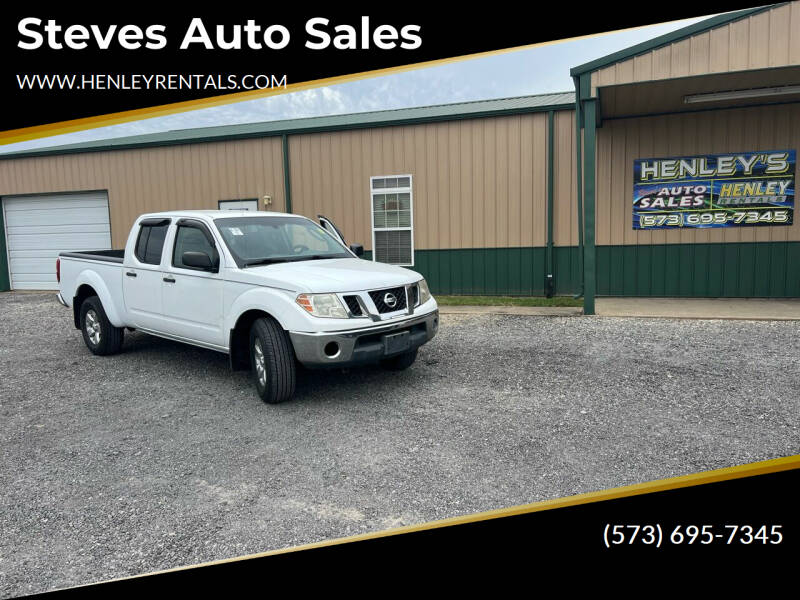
x,y
371,112
471,109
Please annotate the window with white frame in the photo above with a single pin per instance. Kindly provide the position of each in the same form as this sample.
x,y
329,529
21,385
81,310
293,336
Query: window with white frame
x,y
392,220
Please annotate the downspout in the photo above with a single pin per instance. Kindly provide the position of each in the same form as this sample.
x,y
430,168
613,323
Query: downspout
x,y
579,171
287,179
549,284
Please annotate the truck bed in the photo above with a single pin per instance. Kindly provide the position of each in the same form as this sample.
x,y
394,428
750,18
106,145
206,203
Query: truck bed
x,y
115,256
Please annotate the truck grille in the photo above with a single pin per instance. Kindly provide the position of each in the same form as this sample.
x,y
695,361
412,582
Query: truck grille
x,y
353,305
379,297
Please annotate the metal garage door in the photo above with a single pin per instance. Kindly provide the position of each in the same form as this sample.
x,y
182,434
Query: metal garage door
x,y
39,227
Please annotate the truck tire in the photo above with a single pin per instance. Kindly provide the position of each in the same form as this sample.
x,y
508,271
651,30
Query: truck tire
x,y
272,361
100,336
400,362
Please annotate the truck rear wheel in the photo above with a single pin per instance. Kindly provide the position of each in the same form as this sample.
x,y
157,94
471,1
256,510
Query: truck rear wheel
x,y
100,336
272,361
400,362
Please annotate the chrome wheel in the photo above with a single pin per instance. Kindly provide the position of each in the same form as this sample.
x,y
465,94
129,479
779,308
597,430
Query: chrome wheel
x,y
92,326
261,371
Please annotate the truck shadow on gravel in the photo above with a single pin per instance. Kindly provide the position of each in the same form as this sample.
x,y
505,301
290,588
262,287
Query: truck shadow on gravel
x,y
147,347
166,357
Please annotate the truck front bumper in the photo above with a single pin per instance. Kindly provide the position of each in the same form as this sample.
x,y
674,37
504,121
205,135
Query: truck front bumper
x,y
364,345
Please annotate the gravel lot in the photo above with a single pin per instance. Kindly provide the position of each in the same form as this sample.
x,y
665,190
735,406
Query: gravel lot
x,y
160,456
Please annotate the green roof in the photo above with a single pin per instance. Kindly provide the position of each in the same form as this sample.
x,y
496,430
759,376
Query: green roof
x,y
669,38
382,118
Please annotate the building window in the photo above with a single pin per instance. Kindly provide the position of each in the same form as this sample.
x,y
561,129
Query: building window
x,y
248,204
392,220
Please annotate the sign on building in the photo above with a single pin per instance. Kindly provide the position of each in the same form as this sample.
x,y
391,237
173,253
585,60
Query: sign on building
x,y
714,190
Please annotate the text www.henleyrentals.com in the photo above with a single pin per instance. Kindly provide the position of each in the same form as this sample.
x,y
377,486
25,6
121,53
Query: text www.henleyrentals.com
x,y
140,81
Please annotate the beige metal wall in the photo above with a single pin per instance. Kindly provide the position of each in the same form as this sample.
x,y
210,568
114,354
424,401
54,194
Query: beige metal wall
x,y
477,183
768,39
193,176
619,142
565,208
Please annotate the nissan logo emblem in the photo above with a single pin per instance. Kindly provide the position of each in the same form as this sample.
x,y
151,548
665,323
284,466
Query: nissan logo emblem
x,y
390,300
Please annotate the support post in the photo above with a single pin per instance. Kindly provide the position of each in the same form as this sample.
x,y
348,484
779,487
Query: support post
x,y
589,160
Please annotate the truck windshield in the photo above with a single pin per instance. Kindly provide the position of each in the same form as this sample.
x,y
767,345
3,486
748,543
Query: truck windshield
x,y
265,240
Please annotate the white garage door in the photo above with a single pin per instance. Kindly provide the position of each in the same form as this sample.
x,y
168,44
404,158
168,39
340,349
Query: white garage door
x,y
39,227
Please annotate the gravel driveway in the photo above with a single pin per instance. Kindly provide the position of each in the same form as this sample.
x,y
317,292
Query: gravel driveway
x,y
160,456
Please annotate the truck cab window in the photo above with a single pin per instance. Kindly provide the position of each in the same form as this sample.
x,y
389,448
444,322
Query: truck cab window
x,y
150,243
190,239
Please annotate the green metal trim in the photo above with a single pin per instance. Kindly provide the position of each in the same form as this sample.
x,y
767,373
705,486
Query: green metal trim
x,y
579,174
82,148
5,274
550,187
585,87
598,112
589,254
287,176
497,271
710,270
669,38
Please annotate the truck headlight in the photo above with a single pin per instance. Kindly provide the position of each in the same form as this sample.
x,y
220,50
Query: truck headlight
x,y
424,292
322,305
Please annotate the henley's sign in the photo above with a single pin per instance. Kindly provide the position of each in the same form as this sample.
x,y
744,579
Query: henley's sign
x,y
714,190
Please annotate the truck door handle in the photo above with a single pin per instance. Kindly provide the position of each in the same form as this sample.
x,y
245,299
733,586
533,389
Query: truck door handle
x,y
130,274
169,280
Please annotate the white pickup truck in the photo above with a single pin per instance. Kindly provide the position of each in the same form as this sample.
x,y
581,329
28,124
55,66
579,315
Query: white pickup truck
x,y
268,289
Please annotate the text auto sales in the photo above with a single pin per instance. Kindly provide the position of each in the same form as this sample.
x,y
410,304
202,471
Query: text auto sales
x,y
730,194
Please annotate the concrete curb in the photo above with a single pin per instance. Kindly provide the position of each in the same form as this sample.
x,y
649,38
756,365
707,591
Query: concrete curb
x,y
536,311
696,317
739,309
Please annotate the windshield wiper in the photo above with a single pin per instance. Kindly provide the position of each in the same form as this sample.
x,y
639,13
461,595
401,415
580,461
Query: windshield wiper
x,y
283,259
265,261
317,257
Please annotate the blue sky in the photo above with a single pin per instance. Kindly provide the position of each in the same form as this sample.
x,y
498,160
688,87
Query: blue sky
x,y
537,70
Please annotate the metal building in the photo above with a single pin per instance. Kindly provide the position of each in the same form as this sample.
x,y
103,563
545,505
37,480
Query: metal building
x,y
492,197
729,84
474,176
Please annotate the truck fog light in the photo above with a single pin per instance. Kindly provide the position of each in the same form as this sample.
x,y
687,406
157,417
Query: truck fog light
x,y
331,349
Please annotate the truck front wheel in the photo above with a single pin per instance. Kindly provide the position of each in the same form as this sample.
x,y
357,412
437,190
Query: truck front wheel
x,y
100,336
272,361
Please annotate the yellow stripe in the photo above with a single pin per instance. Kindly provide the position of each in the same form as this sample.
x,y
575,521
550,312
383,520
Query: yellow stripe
x,y
29,133
738,472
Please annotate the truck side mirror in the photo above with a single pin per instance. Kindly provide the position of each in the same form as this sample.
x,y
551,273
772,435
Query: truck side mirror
x,y
357,249
197,260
